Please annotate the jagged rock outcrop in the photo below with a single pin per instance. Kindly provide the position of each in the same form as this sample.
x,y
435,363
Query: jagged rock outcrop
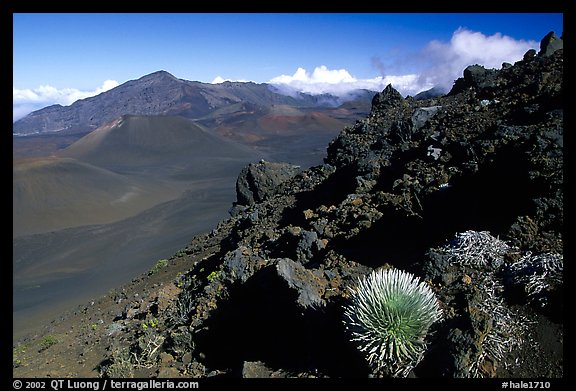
x,y
549,44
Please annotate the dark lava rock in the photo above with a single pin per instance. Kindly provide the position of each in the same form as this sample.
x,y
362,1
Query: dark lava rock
x,y
309,285
529,55
423,114
549,44
386,98
259,181
477,77
257,370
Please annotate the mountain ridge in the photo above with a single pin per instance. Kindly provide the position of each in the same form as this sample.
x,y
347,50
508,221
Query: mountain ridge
x,y
161,93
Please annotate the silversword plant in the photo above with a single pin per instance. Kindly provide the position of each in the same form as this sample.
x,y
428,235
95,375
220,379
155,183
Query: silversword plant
x,y
389,316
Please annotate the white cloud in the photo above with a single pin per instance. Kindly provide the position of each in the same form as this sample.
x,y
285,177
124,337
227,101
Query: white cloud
x,y
321,75
340,82
24,101
220,80
447,60
440,64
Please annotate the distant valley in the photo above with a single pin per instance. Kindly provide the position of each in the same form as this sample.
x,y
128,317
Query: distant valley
x,y
257,115
105,187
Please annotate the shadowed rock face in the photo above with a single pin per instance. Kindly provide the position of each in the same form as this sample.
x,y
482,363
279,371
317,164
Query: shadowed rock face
x,y
394,191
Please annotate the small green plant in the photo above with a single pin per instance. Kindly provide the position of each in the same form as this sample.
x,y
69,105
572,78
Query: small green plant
x,y
162,263
389,316
180,279
93,326
16,355
152,323
47,341
213,276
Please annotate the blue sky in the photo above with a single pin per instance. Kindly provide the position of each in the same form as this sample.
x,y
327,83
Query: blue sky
x,y
62,57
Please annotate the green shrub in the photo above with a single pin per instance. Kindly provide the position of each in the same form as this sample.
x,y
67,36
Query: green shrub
x,y
162,263
47,341
152,323
17,353
213,276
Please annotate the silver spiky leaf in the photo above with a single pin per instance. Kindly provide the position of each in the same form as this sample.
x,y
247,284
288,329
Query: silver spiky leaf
x,y
477,249
484,252
389,316
538,275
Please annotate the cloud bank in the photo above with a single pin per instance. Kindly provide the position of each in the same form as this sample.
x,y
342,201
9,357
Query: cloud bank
x,y
440,62
25,101
340,82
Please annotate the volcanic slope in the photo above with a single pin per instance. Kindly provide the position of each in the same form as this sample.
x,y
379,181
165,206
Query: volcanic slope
x,y
54,193
55,271
166,145
127,194
283,132
117,171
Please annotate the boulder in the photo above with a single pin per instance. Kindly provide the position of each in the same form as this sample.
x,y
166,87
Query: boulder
x,y
423,114
258,370
309,285
530,54
477,77
259,181
255,369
